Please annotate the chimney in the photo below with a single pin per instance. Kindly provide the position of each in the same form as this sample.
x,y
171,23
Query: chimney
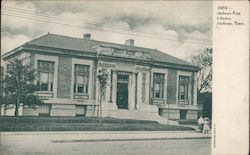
x,y
130,42
86,36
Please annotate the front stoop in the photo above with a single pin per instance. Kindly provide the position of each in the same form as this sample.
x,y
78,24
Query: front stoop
x,y
141,115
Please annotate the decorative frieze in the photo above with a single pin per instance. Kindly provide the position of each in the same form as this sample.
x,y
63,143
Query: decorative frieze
x,y
123,73
121,52
141,68
106,64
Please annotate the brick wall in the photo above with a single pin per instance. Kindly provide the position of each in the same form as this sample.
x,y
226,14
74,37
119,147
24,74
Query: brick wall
x,y
64,77
171,95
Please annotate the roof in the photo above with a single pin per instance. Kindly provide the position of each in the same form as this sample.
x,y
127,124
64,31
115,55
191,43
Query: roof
x,y
86,45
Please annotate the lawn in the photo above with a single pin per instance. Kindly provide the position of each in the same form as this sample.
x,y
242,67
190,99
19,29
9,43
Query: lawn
x,y
81,124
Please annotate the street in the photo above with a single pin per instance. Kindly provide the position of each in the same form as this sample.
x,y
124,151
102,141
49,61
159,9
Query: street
x,y
67,144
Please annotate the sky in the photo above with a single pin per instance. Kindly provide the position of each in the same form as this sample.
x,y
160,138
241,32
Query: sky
x,y
179,25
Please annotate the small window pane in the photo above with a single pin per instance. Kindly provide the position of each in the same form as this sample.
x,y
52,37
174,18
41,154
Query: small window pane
x,y
80,89
44,87
181,89
51,78
86,89
157,94
157,86
51,86
79,79
44,77
85,80
182,96
74,88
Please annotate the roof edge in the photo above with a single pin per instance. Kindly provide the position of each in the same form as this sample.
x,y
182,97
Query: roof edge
x,y
19,48
96,41
186,63
14,51
174,65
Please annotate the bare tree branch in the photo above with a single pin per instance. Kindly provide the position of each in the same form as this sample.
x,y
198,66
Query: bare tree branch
x,y
204,60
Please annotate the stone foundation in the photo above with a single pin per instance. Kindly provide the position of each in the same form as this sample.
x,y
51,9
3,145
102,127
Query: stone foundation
x,y
192,114
175,113
30,111
63,110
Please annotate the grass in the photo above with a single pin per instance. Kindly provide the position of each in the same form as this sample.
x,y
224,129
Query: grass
x,y
82,124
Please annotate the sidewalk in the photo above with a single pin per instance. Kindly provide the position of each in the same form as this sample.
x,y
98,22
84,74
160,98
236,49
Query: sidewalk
x,y
95,136
99,143
195,127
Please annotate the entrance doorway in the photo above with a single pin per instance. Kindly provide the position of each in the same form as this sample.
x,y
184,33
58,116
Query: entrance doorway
x,y
122,91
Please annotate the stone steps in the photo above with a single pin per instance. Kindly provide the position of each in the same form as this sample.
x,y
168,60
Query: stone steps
x,y
141,115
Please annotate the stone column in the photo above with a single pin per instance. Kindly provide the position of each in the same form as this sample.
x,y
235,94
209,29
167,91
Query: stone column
x,y
114,87
165,91
97,88
195,90
144,92
139,88
131,90
107,90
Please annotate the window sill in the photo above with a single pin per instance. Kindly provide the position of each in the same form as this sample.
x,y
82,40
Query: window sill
x,y
158,101
81,96
162,99
183,102
46,94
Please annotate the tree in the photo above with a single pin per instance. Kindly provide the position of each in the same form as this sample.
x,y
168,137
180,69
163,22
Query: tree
x,y
103,80
1,88
18,84
204,60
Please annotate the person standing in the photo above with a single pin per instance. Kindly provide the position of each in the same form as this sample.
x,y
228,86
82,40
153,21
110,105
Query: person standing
x,y
200,123
206,126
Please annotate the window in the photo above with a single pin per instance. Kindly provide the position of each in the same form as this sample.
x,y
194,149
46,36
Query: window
x,y
45,75
44,110
81,79
81,110
158,82
8,67
183,87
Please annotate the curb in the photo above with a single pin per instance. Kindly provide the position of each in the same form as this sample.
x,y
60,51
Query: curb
x,y
89,132
132,139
